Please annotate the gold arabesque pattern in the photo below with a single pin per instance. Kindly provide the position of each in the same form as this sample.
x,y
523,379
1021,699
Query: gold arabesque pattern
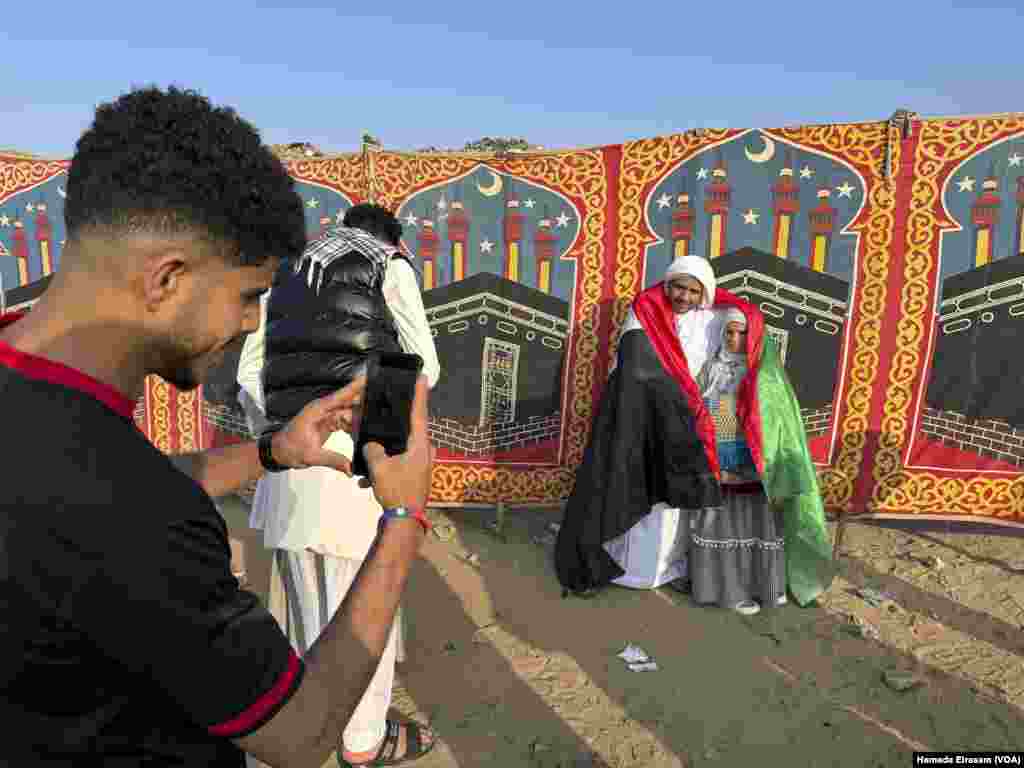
x,y
18,173
188,424
344,173
158,407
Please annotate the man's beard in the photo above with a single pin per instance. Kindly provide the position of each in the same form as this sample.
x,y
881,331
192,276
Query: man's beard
x,y
186,370
183,378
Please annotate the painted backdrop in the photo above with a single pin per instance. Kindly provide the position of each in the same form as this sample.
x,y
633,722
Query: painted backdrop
x,y
888,259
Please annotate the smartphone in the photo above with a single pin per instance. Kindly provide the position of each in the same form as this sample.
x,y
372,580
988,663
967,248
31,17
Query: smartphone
x,y
386,415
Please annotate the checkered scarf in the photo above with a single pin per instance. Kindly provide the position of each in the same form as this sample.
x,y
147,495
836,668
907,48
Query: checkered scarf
x,y
336,242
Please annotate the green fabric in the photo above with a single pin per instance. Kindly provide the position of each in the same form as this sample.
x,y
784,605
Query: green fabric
x,y
791,483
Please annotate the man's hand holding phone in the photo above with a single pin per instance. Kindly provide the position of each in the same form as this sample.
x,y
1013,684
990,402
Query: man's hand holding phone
x,y
404,480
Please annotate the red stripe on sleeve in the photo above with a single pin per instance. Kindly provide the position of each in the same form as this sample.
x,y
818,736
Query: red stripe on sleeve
x,y
256,713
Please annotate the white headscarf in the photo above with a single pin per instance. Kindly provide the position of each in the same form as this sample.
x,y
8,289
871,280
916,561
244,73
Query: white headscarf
x,y
697,329
733,315
727,369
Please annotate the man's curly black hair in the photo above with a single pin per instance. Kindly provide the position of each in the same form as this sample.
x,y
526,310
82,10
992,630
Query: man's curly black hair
x,y
375,219
170,163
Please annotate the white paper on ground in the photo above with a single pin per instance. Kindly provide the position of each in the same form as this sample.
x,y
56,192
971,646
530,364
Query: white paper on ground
x,y
634,654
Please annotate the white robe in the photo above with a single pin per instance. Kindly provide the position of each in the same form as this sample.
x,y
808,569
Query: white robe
x,y
653,552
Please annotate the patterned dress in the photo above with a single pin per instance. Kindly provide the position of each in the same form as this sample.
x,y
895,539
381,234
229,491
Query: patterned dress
x,y
736,552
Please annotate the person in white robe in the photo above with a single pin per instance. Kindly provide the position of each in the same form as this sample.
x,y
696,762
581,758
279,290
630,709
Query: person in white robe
x,y
320,524
654,551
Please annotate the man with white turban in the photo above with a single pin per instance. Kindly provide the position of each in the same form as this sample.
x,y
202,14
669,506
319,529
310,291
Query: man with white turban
x,y
690,287
654,461
654,551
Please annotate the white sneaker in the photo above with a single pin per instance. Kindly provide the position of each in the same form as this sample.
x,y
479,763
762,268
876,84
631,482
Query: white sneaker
x,y
781,600
747,608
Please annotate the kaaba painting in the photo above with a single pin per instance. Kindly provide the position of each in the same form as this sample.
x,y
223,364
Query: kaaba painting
x,y
773,218
972,416
498,292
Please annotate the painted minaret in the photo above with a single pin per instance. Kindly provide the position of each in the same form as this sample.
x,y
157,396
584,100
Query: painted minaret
x,y
785,206
4,253
717,201
44,237
1020,216
682,224
325,224
513,234
458,236
822,219
545,245
21,252
985,217
427,242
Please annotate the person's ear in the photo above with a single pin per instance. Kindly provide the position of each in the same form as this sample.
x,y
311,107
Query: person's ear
x,y
164,278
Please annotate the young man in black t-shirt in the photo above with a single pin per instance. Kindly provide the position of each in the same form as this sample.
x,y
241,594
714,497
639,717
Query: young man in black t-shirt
x,y
124,639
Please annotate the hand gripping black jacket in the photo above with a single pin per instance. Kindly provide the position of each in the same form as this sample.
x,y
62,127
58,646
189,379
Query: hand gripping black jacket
x,y
324,317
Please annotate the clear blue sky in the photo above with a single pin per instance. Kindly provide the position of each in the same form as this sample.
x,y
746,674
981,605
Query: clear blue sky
x,y
559,73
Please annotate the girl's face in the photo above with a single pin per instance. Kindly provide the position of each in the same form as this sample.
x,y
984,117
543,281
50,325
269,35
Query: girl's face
x,y
735,337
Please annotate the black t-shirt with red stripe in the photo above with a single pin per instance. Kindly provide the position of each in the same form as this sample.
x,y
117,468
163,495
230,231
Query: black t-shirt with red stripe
x,y
124,638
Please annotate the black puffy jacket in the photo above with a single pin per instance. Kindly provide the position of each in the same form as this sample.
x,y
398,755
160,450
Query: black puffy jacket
x,y
324,317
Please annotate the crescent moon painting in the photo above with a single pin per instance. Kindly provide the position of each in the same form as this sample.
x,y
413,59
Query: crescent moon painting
x,y
764,155
61,192
493,189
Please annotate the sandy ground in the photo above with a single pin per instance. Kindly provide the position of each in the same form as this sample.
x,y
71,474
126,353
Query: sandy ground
x,y
511,674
